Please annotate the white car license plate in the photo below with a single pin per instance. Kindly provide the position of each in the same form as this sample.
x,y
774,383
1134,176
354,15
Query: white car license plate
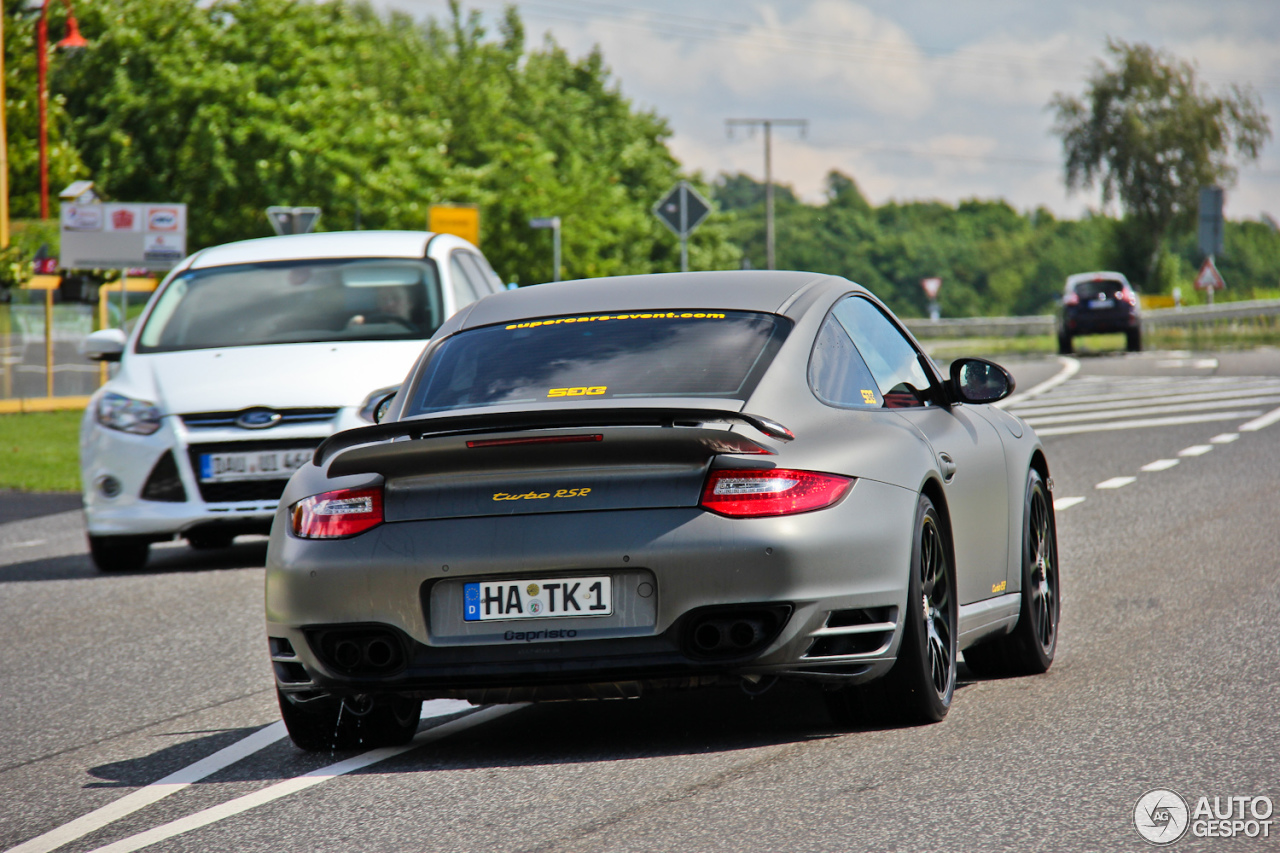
x,y
256,465
1102,303
485,601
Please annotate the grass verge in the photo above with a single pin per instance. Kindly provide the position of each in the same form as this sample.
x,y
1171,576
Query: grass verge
x,y
40,452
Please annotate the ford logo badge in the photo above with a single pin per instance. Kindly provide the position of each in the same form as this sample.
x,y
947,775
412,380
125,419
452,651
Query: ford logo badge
x,y
258,419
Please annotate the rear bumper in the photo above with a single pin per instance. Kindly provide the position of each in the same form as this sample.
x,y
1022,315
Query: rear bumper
x,y
1095,324
851,557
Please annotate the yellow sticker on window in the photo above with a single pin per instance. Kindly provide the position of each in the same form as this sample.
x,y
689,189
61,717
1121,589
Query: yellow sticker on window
x,y
868,397
657,315
580,391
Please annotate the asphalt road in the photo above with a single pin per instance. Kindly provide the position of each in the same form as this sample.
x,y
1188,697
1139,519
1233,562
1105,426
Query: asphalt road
x,y
1166,677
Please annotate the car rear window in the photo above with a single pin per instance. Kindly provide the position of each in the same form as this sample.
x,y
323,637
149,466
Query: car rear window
x,y
676,353
358,299
1105,288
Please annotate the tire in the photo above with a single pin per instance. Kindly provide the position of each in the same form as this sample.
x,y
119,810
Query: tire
x,y
210,541
119,553
1133,340
1030,648
1064,344
922,683
327,723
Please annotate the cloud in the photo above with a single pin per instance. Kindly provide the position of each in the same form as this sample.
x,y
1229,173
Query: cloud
x,y
914,98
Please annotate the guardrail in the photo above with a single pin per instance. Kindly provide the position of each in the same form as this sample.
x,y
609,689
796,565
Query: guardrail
x,y
1257,311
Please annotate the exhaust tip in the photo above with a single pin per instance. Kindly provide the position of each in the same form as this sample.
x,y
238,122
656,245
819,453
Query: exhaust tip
x,y
733,632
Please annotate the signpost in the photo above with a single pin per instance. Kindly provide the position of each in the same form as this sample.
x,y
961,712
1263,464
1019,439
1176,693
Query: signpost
x,y
462,220
553,223
149,235
1209,279
931,287
682,210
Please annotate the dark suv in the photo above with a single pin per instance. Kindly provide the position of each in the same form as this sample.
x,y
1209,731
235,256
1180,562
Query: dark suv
x,y
1096,303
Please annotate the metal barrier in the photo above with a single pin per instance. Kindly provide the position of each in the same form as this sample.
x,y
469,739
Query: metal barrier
x,y
40,349
1254,313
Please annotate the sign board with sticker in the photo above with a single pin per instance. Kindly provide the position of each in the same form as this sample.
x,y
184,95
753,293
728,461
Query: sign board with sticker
x,y
462,220
136,235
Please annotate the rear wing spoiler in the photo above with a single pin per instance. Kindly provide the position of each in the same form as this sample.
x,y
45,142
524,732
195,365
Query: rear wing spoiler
x,y
543,419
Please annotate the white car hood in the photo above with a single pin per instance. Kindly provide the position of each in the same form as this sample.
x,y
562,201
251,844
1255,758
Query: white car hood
x,y
279,376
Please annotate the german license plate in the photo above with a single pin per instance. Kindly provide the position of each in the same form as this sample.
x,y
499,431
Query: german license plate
x,y
1102,303
485,601
255,465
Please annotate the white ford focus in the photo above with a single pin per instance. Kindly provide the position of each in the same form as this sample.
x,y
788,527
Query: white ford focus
x,y
247,356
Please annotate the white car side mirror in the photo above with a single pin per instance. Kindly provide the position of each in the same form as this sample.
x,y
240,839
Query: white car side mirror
x,y
105,345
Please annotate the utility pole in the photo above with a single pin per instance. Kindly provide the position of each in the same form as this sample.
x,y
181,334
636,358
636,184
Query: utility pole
x,y
768,124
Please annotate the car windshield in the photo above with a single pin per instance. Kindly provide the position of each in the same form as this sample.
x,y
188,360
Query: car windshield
x,y
677,353
360,299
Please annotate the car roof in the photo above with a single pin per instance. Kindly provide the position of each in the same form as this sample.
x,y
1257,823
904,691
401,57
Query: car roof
x,y
1105,275
325,245
734,290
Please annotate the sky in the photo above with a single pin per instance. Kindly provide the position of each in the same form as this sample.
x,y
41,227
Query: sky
x,y
915,99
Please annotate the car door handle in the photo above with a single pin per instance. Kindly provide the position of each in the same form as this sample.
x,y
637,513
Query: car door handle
x,y
948,467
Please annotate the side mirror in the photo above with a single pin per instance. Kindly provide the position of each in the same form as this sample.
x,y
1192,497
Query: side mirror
x,y
381,408
976,380
105,345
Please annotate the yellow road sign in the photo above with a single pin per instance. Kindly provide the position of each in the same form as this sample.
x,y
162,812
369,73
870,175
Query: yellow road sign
x,y
460,219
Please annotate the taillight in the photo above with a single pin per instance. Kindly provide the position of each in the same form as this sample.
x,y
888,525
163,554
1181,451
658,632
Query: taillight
x,y
780,491
1071,299
1129,296
334,515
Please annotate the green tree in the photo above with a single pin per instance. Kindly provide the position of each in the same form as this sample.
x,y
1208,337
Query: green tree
x,y
1151,134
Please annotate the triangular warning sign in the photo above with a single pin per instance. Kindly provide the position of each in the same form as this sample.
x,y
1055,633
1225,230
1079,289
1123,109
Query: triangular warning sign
x,y
1209,278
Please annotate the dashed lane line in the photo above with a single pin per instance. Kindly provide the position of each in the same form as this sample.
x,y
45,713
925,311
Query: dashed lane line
x,y
1224,438
1066,503
1115,483
1195,450
1159,465
1261,423
300,783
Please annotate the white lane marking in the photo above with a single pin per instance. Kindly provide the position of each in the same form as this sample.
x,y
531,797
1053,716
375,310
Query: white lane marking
x,y
1159,465
1070,367
1224,438
1195,450
1066,503
300,783
1199,363
1115,483
1099,414
1108,426
1055,405
30,543
1261,423
156,791
179,779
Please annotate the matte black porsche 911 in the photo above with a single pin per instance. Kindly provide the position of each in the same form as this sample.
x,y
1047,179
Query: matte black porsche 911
x,y
596,488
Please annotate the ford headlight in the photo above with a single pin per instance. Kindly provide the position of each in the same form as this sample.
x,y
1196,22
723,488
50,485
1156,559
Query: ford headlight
x,y
116,411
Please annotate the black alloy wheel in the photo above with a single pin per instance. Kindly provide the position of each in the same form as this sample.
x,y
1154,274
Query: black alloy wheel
x,y
326,723
1133,340
1064,344
922,683
1030,648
